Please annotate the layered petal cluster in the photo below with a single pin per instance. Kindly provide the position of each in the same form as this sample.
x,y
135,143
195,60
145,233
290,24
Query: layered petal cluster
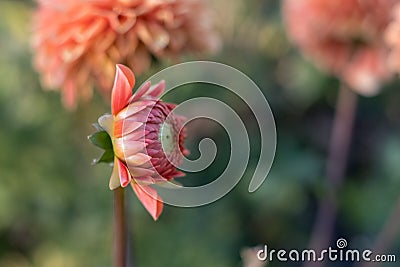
x,y
71,39
345,37
147,138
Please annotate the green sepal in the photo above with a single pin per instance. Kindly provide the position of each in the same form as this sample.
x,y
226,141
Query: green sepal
x,y
106,157
101,139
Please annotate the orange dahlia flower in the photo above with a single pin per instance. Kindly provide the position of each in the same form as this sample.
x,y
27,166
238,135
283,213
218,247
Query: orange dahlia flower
x,y
142,137
344,37
77,43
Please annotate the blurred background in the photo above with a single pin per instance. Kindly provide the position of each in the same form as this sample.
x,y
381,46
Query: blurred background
x,y
56,208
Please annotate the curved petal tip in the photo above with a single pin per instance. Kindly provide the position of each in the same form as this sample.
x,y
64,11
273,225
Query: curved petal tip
x,y
122,89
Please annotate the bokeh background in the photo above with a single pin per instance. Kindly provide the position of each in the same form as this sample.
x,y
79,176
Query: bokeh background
x,y
56,208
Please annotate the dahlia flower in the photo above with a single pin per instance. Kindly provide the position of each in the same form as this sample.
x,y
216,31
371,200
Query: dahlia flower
x,y
344,37
71,39
142,137
393,41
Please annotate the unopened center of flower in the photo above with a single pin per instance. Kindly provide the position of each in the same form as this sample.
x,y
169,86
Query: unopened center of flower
x,y
167,137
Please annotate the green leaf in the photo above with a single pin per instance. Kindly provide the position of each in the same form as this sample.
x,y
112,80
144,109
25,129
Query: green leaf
x,y
101,139
106,157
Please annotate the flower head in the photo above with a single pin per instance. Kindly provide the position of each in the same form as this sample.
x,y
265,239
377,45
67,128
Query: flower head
x,y
73,38
344,37
145,139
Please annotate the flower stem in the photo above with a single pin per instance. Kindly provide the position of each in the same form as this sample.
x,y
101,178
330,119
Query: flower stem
x,y
335,171
119,228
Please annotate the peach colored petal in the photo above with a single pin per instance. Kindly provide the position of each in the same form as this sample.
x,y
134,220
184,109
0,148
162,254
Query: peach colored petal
x,y
122,89
107,122
69,95
124,127
122,20
137,159
149,198
125,148
114,179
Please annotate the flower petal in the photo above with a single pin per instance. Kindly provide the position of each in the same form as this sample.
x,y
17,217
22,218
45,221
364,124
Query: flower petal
x,y
106,122
114,179
157,89
124,127
132,109
125,148
124,175
136,171
141,91
122,89
149,198
137,159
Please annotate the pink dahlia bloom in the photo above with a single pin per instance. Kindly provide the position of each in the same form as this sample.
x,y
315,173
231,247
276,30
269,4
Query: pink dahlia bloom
x,y
344,37
147,138
77,43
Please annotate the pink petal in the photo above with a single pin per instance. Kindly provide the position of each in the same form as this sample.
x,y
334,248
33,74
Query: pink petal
x,y
135,135
131,110
136,171
124,176
149,198
141,91
122,89
157,89
144,180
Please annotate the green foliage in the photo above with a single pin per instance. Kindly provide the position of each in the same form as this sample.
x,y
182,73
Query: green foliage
x,y
102,140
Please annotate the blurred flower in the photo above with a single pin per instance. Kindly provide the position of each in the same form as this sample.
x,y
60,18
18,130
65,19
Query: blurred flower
x,y
78,42
392,35
344,37
142,137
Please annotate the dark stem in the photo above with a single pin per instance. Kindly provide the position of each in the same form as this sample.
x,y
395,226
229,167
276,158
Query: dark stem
x,y
336,167
119,229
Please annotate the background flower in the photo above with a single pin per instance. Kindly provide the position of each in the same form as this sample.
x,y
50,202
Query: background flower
x,y
344,37
77,43
392,35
